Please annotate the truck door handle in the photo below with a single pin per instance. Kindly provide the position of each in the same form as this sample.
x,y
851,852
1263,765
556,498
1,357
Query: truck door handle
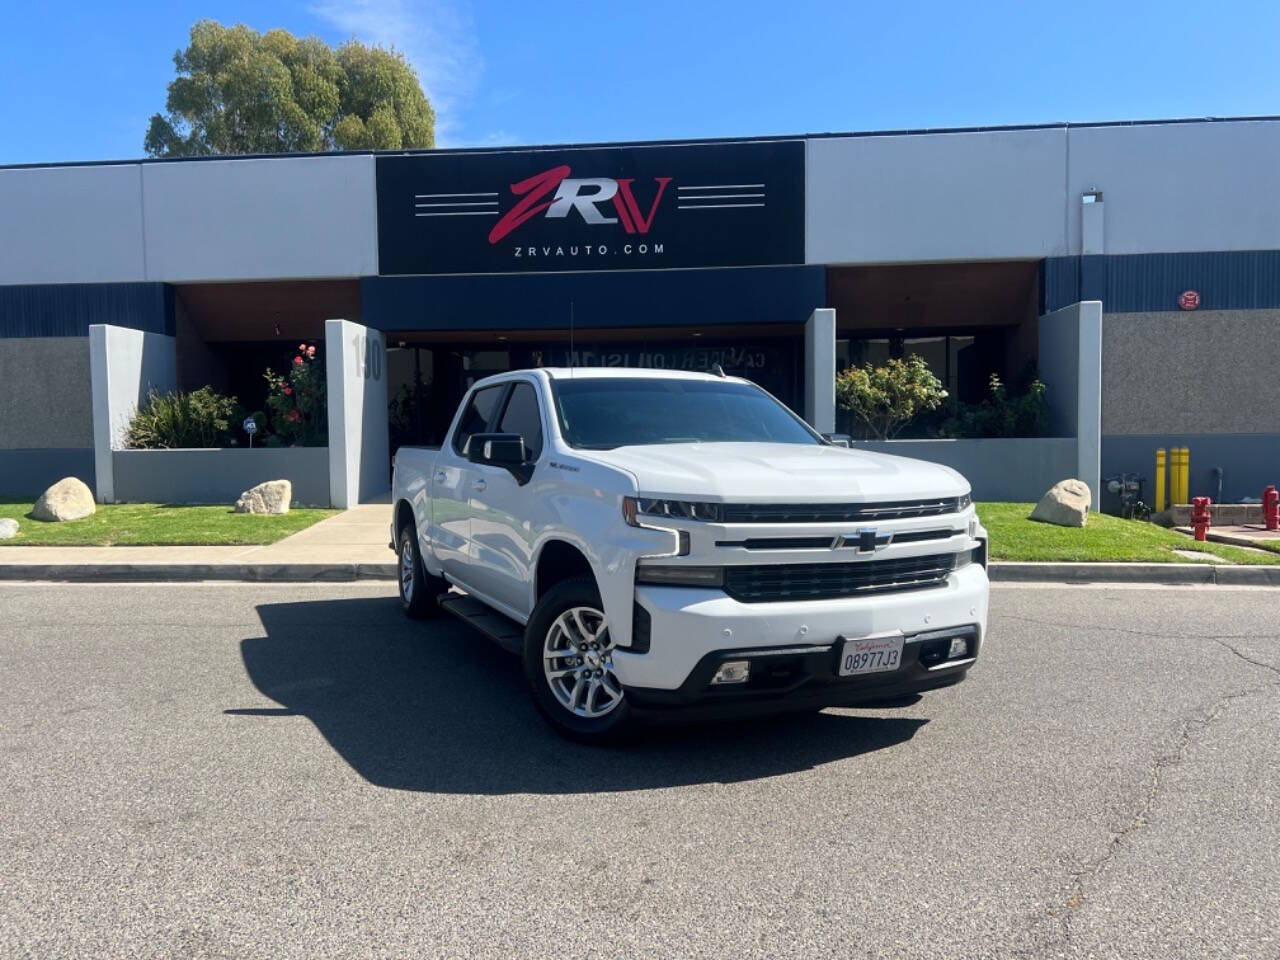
x,y
479,484
440,476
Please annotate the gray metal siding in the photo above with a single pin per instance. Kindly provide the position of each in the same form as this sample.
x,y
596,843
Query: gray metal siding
x,y
1144,282
67,310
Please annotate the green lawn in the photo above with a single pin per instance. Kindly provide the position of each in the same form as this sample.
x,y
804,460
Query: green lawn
x,y
1104,539
153,524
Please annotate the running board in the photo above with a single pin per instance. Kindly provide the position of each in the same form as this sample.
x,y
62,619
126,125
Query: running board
x,y
502,630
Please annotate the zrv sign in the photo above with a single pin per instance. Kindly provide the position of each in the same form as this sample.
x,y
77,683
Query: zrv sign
x,y
610,208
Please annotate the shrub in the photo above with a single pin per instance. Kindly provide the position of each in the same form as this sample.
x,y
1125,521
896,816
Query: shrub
x,y
1001,415
885,399
172,419
299,415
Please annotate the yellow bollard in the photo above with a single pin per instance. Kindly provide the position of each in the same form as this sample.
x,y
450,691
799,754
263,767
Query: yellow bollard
x,y
1175,475
1186,474
1160,472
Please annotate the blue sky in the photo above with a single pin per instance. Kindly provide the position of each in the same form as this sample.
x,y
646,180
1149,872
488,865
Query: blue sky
x,y
78,81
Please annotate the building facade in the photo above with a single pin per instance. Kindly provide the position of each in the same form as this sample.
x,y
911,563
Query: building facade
x,y
1135,268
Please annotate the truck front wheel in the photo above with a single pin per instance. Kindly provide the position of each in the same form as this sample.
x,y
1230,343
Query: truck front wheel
x,y
418,589
568,661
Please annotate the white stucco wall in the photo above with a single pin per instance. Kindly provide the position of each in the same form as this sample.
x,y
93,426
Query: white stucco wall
x,y
999,194
946,196
260,219
359,451
124,366
71,225
1180,187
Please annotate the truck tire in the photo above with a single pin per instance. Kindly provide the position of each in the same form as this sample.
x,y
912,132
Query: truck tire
x,y
418,589
568,663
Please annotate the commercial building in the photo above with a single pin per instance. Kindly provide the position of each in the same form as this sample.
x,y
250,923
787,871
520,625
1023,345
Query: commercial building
x,y
1135,267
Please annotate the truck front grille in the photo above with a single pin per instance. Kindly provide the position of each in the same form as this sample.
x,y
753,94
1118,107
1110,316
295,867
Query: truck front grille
x,y
837,512
766,583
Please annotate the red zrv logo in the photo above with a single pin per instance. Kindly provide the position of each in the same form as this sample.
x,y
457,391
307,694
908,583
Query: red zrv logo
x,y
582,195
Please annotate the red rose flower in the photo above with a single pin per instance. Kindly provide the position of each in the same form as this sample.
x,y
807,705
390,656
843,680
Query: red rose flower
x,y
301,347
294,416
297,360
311,351
288,391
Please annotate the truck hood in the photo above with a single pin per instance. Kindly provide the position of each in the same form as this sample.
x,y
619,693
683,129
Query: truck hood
x,y
778,473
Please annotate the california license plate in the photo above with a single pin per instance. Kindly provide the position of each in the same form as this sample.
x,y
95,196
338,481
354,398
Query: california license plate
x,y
878,653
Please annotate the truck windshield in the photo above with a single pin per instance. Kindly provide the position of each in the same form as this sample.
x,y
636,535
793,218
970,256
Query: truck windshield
x,y
602,413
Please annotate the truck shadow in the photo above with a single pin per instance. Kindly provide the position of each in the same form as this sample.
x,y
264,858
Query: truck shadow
x,y
435,707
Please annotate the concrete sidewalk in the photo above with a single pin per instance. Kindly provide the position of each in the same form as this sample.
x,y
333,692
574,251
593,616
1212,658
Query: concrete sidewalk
x,y
351,545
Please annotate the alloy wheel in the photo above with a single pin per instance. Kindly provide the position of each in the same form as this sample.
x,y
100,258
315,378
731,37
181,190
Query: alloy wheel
x,y
407,571
577,661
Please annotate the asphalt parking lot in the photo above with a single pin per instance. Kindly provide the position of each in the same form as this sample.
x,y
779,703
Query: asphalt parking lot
x,y
280,771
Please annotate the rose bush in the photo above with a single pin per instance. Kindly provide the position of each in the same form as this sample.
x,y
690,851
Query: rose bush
x,y
297,400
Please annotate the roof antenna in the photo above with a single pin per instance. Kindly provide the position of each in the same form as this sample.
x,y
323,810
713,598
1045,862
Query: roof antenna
x,y
717,370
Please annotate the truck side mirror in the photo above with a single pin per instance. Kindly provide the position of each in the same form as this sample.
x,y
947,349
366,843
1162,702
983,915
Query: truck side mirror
x,y
496,449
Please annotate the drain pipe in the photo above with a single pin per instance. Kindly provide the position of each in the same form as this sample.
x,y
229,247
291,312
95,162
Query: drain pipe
x,y
1217,479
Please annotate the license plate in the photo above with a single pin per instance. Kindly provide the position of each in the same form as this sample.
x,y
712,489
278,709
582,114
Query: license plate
x,y
875,654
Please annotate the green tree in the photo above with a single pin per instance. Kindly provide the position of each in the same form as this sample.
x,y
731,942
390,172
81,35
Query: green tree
x,y
885,399
239,91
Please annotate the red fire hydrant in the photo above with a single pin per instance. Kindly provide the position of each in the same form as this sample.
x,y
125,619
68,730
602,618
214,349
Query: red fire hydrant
x,y
1271,508
1200,520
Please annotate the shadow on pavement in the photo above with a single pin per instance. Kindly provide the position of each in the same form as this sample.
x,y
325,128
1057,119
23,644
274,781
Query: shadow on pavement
x,y
436,707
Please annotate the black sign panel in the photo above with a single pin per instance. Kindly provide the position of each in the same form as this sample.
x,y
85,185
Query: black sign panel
x,y
592,208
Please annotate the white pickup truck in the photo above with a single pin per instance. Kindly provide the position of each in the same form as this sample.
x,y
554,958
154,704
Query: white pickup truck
x,y
653,542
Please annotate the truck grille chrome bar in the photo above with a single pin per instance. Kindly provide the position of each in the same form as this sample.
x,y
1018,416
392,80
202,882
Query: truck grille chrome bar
x,y
772,583
837,512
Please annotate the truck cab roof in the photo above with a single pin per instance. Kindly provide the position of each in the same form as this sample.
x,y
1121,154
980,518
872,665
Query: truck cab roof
x,y
613,373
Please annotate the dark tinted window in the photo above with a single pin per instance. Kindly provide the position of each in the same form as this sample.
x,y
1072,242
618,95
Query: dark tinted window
x,y
483,405
615,412
521,416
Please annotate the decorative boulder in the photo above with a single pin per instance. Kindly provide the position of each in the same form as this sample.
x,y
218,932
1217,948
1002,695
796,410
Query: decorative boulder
x,y
1066,504
270,497
68,499
8,528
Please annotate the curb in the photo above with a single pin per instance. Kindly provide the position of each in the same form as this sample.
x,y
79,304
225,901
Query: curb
x,y
1165,574
188,572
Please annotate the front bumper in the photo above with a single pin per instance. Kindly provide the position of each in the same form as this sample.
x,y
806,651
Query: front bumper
x,y
693,630
801,678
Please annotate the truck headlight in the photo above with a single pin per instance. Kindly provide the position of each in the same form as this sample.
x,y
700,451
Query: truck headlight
x,y
965,502
635,507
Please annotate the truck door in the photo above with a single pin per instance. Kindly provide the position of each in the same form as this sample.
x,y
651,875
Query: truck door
x,y
454,484
504,513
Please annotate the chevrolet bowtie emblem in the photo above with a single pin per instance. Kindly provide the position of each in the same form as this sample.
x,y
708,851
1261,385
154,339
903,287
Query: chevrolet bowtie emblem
x,y
867,540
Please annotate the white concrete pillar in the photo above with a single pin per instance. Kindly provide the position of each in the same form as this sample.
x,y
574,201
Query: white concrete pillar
x,y
1089,399
356,374
124,366
820,370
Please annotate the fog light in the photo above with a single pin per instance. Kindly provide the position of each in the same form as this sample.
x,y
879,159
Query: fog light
x,y
732,671
959,648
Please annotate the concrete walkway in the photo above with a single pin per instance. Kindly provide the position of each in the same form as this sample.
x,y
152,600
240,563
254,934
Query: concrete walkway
x,y
1239,535
347,546
353,545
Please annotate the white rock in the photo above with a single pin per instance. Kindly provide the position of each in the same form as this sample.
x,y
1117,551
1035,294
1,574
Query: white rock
x,y
273,496
8,528
68,499
1066,504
